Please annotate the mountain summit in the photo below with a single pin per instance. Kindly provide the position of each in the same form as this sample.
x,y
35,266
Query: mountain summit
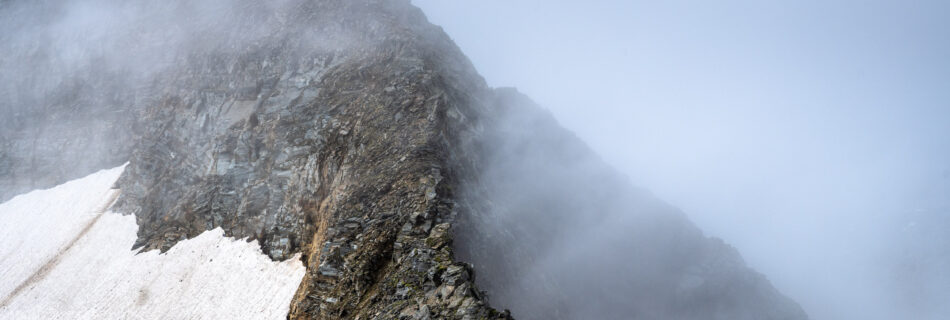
x,y
356,137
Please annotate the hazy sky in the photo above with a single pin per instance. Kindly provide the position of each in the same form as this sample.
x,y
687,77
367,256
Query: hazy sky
x,y
801,132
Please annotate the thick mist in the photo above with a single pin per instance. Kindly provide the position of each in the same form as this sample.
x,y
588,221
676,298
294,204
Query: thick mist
x,y
810,135
555,233
49,43
103,62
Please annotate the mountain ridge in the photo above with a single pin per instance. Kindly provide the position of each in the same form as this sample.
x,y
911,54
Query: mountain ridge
x,y
358,135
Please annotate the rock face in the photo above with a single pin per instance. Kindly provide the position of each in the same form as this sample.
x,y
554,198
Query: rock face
x,y
357,134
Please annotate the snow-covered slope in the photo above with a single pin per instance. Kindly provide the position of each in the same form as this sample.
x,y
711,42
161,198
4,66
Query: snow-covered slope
x,y
63,256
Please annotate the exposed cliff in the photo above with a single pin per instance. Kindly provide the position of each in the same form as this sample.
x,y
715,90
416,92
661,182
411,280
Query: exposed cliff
x,y
357,134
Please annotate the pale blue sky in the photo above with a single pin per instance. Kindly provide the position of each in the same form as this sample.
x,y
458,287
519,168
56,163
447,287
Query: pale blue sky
x,y
799,131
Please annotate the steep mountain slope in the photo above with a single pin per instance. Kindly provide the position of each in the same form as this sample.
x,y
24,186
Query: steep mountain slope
x,y
356,134
556,233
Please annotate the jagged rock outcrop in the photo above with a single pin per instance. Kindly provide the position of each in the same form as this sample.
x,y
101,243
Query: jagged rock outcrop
x,y
357,134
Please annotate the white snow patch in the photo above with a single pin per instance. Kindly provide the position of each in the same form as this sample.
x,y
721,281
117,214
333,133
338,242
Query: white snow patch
x,y
62,258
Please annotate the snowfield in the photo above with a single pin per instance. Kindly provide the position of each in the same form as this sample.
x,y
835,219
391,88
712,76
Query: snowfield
x,y
62,256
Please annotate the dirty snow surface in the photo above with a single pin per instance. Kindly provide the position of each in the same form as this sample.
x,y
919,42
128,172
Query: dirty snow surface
x,y
63,256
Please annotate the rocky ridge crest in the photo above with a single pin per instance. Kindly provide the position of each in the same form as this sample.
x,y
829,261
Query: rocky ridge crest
x,y
358,135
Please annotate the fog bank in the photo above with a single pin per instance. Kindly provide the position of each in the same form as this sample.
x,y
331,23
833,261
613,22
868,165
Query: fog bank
x,y
810,135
